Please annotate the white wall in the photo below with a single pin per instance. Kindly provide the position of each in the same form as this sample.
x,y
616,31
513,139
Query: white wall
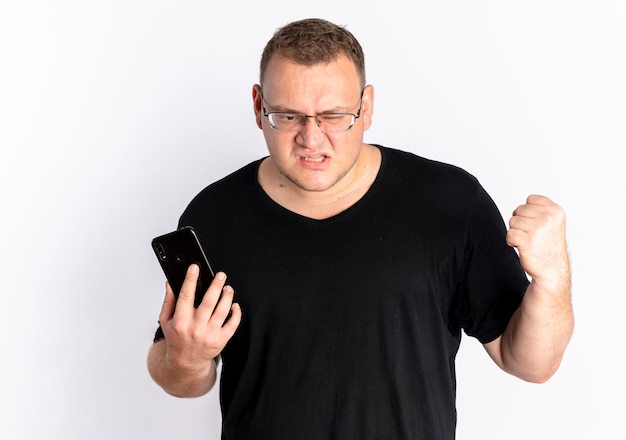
x,y
114,114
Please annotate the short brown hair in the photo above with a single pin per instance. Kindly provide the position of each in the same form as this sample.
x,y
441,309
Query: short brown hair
x,y
312,41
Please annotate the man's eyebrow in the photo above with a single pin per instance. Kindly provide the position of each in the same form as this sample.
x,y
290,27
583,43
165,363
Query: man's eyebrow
x,y
283,109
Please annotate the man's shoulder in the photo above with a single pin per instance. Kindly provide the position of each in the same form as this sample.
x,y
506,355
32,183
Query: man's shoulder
x,y
225,190
407,166
233,182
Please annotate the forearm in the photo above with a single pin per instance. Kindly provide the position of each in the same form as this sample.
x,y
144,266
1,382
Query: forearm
x,y
179,380
533,343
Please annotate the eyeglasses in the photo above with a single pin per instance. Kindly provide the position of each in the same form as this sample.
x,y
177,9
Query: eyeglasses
x,y
327,122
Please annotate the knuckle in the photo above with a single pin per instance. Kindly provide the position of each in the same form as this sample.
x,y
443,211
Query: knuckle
x,y
178,327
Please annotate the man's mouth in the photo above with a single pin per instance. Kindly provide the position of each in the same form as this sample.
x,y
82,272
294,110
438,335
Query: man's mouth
x,y
314,159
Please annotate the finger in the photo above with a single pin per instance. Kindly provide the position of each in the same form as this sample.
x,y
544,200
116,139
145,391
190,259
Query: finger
x,y
187,294
533,202
223,307
233,322
516,238
211,296
223,333
536,199
523,223
531,210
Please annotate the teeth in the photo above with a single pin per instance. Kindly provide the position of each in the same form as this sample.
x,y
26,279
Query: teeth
x,y
313,159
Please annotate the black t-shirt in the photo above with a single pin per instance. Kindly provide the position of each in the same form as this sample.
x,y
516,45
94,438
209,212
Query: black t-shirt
x,y
351,324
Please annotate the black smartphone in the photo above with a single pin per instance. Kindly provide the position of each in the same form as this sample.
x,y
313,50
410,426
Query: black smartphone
x,y
176,251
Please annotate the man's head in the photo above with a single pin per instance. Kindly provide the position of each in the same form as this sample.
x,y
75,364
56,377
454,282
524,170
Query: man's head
x,y
313,41
313,106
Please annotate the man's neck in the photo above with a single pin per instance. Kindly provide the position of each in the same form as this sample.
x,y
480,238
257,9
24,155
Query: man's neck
x,y
320,205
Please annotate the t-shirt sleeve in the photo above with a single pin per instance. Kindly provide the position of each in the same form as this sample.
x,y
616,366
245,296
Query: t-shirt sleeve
x,y
158,335
494,282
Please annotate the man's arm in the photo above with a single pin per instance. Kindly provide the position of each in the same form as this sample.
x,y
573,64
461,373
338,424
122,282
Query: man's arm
x,y
535,339
184,363
178,380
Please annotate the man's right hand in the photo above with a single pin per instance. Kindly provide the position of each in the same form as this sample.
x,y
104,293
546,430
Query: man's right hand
x,y
184,362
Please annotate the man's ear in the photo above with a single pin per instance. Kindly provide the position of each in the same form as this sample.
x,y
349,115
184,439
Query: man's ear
x,y
257,102
367,109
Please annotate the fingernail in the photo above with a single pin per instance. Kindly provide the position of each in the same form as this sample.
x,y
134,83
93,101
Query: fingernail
x,y
221,276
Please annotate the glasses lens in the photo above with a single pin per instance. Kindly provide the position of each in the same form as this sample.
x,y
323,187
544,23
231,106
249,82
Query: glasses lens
x,y
335,123
285,121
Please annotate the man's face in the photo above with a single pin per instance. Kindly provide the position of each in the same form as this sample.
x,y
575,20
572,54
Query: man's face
x,y
309,158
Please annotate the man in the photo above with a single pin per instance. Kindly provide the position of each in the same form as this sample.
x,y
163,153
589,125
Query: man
x,y
355,268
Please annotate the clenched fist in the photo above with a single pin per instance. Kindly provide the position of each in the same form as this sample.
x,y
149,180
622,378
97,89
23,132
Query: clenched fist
x,y
537,230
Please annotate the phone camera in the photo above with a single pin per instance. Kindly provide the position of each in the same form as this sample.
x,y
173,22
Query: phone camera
x,y
161,252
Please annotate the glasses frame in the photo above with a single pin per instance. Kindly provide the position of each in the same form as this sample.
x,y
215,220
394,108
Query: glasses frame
x,y
303,117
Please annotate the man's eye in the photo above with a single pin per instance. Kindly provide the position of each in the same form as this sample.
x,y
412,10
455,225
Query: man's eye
x,y
330,118
286,117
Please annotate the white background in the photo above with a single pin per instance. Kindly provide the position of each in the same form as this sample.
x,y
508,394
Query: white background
x,y
114,114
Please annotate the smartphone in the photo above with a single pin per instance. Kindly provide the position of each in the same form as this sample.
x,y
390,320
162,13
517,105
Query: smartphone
x,y
176,251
